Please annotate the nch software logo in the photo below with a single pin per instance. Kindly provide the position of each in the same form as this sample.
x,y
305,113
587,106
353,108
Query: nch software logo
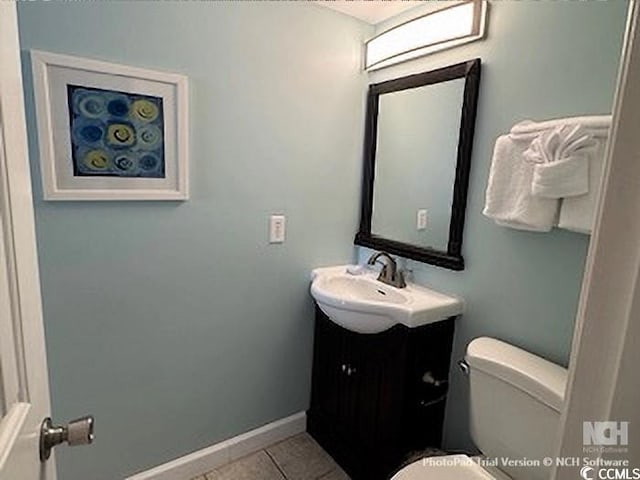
x,y
605,433
598,435
606,437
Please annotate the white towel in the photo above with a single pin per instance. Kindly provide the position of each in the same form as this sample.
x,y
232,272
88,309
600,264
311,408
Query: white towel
x,y
508,199
543,145
562,161
565,178
578,213
576,147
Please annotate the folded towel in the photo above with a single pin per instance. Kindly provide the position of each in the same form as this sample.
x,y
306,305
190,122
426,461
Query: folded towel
x,y
562,161
508,199
578,213
588,139
565,178
575,140
543,146
540,162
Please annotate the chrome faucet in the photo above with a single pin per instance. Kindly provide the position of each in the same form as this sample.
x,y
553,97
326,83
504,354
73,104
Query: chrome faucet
x,y
389,273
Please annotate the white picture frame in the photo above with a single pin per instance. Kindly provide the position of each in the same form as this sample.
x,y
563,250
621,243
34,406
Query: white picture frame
x,y
62,83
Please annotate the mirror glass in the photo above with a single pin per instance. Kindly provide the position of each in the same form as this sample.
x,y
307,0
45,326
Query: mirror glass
x,y
416,153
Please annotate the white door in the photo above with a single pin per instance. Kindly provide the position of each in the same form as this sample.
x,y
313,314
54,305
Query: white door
x,y
24,390
606,342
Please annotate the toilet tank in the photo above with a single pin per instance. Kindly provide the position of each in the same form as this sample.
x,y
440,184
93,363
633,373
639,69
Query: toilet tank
x,y
515,403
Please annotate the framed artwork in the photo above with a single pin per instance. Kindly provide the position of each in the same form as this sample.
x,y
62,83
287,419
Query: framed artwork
x,y
108,131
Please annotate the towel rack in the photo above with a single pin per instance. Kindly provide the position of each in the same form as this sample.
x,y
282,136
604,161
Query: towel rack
x,y
595,122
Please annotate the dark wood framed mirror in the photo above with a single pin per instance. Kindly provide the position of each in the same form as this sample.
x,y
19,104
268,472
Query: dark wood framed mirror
x,y
417,156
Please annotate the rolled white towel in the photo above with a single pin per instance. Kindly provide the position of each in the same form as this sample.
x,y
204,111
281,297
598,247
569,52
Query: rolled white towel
x,y
508,199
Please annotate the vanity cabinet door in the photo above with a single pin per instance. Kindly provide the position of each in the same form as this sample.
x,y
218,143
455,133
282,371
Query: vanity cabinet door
x,y
328,382
358,396
376,384
376,397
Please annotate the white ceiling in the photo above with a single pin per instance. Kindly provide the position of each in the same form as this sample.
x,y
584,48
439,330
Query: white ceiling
x,y
371,11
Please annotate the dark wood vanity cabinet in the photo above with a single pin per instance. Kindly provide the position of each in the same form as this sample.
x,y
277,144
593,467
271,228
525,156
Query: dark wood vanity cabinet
x,y
376,398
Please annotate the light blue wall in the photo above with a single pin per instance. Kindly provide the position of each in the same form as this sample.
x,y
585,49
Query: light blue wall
x,y
176,324
540,60
416,155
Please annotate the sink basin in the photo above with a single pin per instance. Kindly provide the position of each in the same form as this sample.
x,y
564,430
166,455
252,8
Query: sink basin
x,y
362,304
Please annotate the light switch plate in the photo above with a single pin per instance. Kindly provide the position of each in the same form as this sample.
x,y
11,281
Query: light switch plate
x,y
277,228
421,220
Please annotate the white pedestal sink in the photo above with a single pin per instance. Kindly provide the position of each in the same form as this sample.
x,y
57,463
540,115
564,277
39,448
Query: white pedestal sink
x,y
362,304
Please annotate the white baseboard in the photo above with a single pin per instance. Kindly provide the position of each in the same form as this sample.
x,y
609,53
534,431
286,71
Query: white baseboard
x,y
207,459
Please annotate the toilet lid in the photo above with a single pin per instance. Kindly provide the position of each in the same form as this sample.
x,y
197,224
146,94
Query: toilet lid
x,y
450,467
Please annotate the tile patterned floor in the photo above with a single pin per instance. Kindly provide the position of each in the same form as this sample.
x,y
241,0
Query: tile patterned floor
x,y
297,458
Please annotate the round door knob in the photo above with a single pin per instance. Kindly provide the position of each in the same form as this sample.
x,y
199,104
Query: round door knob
x,y
80,431
77,432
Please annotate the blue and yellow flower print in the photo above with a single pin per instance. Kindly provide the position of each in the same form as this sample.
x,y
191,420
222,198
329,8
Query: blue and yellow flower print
x,y
116,134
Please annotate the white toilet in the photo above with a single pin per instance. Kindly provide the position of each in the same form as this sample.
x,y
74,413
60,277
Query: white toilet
x,y
515,404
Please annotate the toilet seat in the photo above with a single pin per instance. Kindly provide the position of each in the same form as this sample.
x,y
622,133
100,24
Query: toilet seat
x,y
450,467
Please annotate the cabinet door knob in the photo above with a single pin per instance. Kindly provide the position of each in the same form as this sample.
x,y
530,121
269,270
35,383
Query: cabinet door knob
x,y
430,379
